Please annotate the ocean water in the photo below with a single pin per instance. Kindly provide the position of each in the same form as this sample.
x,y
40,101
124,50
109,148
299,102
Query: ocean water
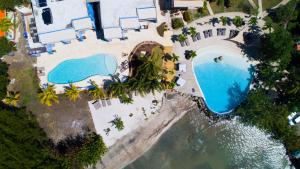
x,y
225,83
193,143
75,70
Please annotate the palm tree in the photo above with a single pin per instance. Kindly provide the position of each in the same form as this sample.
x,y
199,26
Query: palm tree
x,y
182,38
136,85
192,54
125,99
5,25
253,21
175,57
48,96
238,21
12,98
268,24
72,92
117,89
149,70
223,20
96,92
295,88
192,31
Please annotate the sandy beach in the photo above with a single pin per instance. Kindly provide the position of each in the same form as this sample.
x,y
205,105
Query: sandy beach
x,y
133,145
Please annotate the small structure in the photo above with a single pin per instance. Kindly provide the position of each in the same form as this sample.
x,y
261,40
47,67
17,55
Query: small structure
x,y
180,82
191,4
293,118
181,67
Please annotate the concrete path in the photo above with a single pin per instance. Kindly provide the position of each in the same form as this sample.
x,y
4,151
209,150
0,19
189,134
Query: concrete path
x,y
211,12
260,9
252,4
284,2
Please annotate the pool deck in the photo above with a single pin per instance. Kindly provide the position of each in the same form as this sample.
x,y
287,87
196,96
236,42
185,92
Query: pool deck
x,y
91,46
191,82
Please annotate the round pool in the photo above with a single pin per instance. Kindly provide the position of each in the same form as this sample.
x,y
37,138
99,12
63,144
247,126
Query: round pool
x,y
223,77
76,70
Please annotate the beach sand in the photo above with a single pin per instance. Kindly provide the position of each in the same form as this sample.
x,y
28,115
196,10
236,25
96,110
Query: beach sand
x,y
133,145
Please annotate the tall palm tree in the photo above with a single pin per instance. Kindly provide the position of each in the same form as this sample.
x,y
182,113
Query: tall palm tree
x,y
96,92
268,24
149,70
136,85
175,57
48,96
72,92
117,89
223,20
192,31
238,21
5,24
182,38
12,98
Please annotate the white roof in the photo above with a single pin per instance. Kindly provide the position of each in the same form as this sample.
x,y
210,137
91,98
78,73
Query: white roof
x,y
57,36
112,12
188,3
112,33
182,67
180,81
297,120
63,12
130,23
146,13
83,23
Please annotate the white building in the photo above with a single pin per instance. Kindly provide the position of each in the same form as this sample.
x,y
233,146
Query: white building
x,y
121,15
60,20
191,4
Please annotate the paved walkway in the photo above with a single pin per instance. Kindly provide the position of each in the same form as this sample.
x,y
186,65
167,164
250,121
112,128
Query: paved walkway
x,y
260,9
284,2
211,12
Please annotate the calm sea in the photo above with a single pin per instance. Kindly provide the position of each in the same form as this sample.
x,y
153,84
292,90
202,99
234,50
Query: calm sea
x,y
193,143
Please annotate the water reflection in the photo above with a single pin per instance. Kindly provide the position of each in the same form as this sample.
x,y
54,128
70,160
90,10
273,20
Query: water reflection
x,y
193,143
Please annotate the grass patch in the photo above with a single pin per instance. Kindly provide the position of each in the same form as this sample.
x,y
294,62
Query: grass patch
x,y
235,6
269,3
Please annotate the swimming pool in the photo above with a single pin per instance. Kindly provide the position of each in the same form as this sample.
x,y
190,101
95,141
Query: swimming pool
x,y
76,70
224,84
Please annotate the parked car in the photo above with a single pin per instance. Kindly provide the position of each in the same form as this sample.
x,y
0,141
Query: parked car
x,y
47,16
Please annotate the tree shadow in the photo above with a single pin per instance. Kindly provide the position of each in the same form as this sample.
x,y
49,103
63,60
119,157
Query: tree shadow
x,y
252,45
236,96
70,144
174,38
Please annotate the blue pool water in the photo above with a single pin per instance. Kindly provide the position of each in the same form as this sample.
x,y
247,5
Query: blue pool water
x,y
76,70
224,84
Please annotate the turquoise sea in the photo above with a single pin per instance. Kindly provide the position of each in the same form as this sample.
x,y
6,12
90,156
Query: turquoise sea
x,y
194,143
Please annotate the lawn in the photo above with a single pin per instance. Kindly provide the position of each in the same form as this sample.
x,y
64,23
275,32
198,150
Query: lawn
x,y
236,6
267,4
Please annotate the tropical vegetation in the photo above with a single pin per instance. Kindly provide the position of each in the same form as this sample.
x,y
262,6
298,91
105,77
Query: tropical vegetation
x,y
72,92
48,95
11,4
96,92
6,46
276,90
177,23
118,123
12,98
238,21
5,24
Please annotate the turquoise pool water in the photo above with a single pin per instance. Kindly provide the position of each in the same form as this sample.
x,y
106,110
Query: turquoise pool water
x,y
224,84
76,70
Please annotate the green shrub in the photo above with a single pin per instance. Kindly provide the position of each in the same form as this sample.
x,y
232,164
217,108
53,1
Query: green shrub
x,y
188,16
177,23
6,46
161,29
118,123
3,79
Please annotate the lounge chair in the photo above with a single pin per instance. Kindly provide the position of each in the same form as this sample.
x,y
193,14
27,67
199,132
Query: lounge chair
x,y
218,32
181,67
103,103
187,42
180,81
205,34
198,36
96,104
182,44
194,38
108,102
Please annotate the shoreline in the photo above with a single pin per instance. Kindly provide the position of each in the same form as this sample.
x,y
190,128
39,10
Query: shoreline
x,y
132,146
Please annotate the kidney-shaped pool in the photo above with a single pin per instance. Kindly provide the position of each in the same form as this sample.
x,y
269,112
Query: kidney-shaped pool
x,y
76,70
223,76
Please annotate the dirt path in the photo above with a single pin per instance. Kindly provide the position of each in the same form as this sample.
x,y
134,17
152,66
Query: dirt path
x,y
132,146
